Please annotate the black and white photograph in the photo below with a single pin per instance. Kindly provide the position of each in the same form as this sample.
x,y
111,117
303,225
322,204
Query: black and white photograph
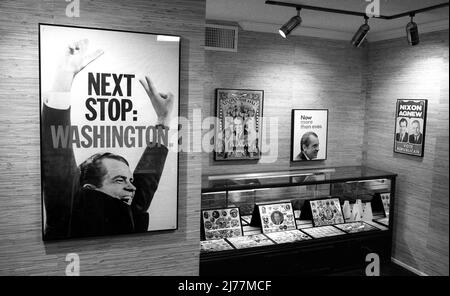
x,y
309,135
239,124
253,140
410,118
105,129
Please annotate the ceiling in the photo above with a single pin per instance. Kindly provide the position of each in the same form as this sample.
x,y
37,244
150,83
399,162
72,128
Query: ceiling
x,y
255,15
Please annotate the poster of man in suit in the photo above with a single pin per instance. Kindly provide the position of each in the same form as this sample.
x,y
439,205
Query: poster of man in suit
x,y
109,107
239,124
410,127
309,134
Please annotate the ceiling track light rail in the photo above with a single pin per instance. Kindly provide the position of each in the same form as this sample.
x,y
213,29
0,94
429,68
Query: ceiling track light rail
x,y
356,13
412,31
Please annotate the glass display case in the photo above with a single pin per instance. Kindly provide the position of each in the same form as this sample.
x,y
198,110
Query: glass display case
x,y
327,219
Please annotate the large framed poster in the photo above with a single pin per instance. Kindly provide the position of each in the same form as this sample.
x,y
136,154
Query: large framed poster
x,y
239,124
410,121
109,115
309,134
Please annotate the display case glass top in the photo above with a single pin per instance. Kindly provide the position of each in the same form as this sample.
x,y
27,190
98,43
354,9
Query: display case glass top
x,y
291,178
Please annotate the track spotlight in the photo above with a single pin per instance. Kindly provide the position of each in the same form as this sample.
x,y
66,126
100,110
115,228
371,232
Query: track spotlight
x,y
361,34
412,32
288,27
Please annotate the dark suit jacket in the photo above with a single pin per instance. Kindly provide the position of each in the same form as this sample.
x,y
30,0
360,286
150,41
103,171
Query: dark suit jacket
x,y
399,139
413,141
71,211
301,156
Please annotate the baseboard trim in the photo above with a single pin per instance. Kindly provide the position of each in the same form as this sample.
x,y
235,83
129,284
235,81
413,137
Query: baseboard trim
x,y
406,266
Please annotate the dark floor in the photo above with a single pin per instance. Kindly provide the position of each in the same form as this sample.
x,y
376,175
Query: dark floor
x,y
387,269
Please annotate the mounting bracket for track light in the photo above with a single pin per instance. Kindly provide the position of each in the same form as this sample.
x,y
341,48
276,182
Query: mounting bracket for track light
x,y
356,13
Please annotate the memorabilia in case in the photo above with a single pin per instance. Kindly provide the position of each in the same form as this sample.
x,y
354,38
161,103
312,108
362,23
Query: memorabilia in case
x,y
309,134
357,211
386,199
215,245
109,115
277,217
354,227
347,210
250,241
367,214
239,126
326,212
287,236
323,231
222,223
410,120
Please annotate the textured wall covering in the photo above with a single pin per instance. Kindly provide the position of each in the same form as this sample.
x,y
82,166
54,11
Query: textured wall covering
x,y
398,71
301,72
22,251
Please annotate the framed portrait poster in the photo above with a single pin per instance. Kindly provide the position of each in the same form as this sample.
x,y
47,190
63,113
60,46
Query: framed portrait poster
x,y
222,223
410,121
109,105
239,124
309,134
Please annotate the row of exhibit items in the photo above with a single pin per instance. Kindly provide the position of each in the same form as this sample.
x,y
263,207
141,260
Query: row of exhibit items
x,y
239,131
280,223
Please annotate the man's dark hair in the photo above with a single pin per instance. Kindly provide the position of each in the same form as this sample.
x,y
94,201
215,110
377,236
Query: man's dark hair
x,y
92,169
305,139
403,120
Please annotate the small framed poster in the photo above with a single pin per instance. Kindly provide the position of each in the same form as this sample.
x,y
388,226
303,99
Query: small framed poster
x,y
309,134
239,124
222,223
277,217
410,121
326,212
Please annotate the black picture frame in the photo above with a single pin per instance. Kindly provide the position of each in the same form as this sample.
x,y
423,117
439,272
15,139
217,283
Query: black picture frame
x,y
409,147
245,154
295,151
179,53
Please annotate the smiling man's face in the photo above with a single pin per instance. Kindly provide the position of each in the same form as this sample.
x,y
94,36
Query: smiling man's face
x,y
118,180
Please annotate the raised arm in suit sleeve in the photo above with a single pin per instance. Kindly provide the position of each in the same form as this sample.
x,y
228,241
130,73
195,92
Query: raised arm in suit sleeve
x,y
146,179
58,169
